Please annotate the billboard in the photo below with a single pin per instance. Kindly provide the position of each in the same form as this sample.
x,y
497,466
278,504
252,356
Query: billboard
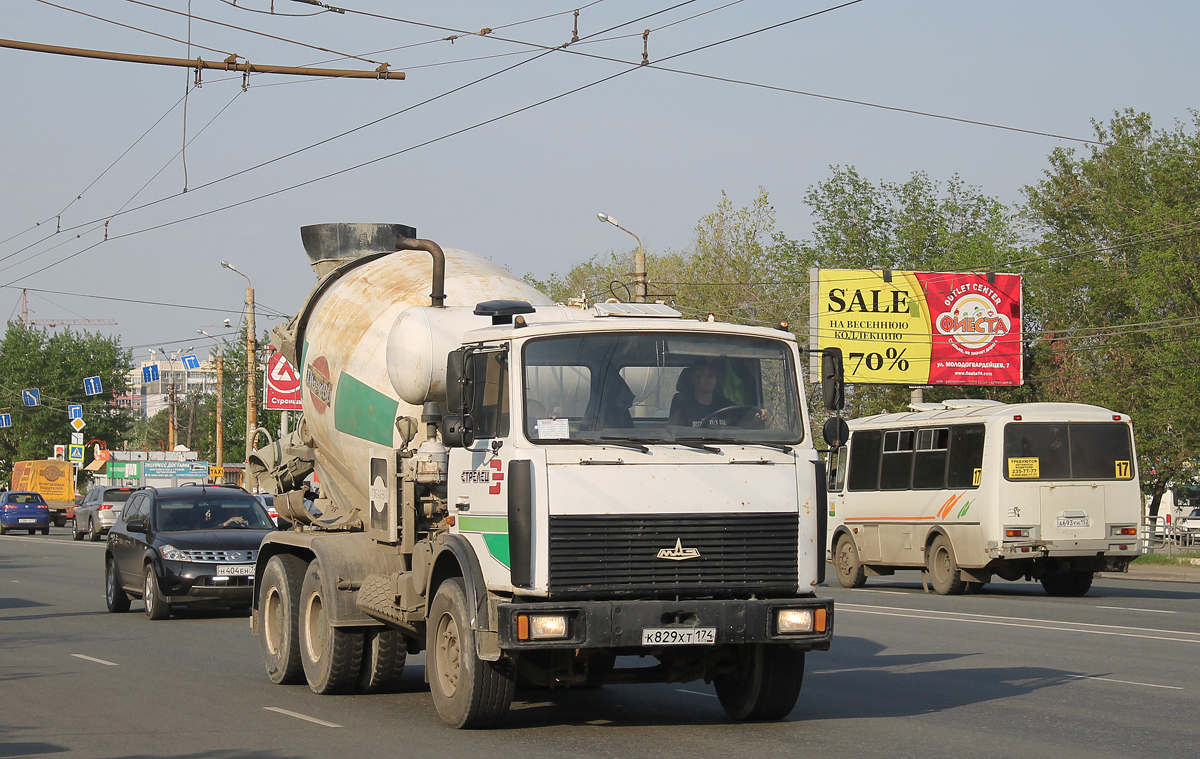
x,y
918,328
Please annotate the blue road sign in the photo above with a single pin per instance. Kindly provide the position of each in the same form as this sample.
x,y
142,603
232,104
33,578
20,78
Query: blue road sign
x,y
5,420
191,362
150,373
32,397
91,386
74,411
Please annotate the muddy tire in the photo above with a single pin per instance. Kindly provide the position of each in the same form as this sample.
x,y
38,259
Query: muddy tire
x,y
279,617
115,597
384,653
765,682
467,692
943,568
156,603
850,571
331,656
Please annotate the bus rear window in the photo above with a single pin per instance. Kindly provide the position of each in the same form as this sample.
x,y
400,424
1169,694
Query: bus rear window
x,y
1068,451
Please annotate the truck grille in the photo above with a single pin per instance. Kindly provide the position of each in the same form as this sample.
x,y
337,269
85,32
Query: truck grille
x,y
618,555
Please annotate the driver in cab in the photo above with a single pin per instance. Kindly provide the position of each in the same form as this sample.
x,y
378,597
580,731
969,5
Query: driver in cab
x,y
698,401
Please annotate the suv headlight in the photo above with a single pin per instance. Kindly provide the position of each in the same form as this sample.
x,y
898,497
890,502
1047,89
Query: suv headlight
x,y
171,553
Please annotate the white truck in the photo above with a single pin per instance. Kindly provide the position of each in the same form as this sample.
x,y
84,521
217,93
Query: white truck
x,y
529,491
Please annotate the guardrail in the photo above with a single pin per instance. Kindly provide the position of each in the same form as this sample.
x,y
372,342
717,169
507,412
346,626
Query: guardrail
x,y
1160,535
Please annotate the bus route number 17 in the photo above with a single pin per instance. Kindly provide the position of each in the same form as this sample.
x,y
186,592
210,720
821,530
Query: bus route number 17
x,y
1124,470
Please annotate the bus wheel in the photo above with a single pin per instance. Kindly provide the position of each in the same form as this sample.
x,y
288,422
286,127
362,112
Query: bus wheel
x,y
765,682
1068,583
943,569
850,572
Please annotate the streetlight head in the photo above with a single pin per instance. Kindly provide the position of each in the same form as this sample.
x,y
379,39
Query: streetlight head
x,y
603,217
226,322
226,265
201,332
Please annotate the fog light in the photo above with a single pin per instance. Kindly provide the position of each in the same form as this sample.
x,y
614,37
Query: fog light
x,y
541,626
794,621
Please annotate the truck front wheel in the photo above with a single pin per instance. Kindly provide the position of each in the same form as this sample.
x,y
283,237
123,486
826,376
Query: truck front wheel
x,y
765,682
279,607
332,656
468,692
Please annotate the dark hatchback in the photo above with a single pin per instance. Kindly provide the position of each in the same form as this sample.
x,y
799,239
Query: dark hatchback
x,y
187,545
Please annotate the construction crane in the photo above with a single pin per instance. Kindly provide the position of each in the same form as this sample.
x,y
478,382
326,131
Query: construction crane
x,y
54,322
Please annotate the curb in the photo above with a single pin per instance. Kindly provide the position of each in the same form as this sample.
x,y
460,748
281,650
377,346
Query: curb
x,y
1156,573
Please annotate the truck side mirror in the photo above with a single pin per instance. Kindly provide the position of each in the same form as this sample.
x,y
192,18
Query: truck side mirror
x,y
456,431
833,379
460,384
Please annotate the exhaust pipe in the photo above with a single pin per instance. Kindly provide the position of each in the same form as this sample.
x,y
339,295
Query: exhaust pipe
x,y
437,298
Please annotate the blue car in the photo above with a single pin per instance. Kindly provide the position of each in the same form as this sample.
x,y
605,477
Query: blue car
x,y
23,510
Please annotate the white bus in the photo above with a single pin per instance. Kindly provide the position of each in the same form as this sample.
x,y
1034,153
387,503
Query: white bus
x,y
968,489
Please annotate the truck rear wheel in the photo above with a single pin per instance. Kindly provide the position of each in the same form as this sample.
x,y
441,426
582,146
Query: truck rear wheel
x,y
384,653
1067,584
467,692
943,568
850,572
765,683
331,656
279,607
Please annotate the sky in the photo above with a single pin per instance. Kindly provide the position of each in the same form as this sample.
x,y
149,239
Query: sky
x,y
452,153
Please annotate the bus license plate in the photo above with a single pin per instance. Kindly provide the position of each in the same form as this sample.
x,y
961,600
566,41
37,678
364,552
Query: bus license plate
x,y
1072,522
669,636
242,570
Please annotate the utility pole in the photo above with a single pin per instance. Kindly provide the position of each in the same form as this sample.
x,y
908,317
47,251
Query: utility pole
x,y
639,260
220,410
251,368
171,414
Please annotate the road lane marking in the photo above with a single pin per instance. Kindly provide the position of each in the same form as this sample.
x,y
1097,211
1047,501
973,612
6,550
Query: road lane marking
x,y
991,619
889,592
1130,608
304,717
696,693
49,541
1125,682
1022,619
98,661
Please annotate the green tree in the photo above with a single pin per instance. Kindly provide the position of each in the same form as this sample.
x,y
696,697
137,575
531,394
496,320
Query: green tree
x,y
1116,291
56,363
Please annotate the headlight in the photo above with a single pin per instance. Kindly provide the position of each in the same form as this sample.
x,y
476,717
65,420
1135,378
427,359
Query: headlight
x,y
171,553
794,621
541,626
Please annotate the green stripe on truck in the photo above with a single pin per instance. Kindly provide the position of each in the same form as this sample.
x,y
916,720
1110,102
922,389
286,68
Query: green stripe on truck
x,y
363,411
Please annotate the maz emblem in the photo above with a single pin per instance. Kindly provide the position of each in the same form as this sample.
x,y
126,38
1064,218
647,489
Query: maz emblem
x,y
679,553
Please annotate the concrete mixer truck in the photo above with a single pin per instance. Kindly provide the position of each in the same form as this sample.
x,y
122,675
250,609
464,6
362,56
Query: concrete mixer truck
x,y
534,494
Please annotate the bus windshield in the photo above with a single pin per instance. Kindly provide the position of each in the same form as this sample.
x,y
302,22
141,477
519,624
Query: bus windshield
x,y
660,388
1068,451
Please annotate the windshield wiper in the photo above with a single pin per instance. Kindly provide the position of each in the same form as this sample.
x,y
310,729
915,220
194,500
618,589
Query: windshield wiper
x,y
726,441
622,442
777,446
628,442
699,443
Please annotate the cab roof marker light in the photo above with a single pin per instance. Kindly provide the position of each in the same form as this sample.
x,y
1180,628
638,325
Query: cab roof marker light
x,y
1017,417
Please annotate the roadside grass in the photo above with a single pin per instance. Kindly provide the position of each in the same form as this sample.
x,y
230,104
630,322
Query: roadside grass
x,y
1174,559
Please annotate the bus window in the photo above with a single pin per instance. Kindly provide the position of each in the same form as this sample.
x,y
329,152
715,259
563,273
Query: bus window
x,y
966,456
1061,451
864,460
1100,451
929,468
896,470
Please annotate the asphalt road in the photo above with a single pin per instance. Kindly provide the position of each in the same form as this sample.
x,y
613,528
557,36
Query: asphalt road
x,y
1008,672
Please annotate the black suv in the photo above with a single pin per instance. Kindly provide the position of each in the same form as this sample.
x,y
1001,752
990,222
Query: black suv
x,y
186,545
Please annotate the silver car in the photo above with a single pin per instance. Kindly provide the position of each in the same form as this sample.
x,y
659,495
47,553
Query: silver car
x,y
99,511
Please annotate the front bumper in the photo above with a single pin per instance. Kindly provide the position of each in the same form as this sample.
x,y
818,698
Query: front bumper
x,y
619,624
185,582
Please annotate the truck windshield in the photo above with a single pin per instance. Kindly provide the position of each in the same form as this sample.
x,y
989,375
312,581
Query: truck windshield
x,y
661,388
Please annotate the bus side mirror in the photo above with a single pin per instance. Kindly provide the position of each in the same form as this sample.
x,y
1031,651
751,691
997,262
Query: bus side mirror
x,y
833,379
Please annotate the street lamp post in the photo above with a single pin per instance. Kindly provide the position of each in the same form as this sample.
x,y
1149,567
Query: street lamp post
x,y
170,399
220,463
251,392
639,260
